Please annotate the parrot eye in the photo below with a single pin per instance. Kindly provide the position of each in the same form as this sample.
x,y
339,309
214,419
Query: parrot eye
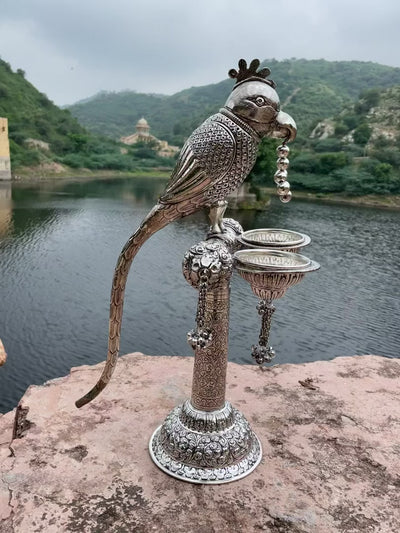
x,y
260,101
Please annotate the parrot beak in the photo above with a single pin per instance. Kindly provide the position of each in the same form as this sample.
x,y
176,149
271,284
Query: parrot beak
x,y
285,127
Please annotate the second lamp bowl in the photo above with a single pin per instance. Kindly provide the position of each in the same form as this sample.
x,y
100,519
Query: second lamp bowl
x,y
270,272
281,239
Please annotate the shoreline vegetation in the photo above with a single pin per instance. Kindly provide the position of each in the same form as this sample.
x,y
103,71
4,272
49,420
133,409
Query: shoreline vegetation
x,y
34,175
386,201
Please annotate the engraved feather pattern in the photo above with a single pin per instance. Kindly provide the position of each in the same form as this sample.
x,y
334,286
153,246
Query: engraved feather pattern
x,y
211,163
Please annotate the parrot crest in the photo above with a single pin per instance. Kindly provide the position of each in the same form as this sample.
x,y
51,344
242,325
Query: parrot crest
x,y
250,73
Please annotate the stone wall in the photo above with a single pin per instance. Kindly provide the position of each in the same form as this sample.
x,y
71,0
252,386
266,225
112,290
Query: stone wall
x,y
5,166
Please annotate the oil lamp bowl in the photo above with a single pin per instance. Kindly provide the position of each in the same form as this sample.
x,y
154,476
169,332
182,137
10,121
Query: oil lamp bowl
x,y
282,239
271,272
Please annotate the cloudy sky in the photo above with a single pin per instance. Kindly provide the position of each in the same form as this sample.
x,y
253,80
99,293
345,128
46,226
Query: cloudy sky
x,y
71,49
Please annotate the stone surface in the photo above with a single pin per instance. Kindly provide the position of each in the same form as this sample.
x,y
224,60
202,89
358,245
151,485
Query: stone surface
x,y
330,433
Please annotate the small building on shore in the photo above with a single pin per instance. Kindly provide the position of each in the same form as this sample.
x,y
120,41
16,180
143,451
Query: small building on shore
x,y
5,165
142,134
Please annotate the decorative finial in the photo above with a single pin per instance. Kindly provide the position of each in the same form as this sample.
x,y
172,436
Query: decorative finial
x,y
248,74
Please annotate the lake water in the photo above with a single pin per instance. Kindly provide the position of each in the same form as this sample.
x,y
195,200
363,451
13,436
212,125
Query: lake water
x,y
59,243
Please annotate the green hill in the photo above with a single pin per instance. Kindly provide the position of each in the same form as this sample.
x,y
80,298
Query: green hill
x,y
309,90
44,136
32,115
355,152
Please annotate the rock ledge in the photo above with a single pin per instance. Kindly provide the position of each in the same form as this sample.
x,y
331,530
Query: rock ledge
x,y
330,433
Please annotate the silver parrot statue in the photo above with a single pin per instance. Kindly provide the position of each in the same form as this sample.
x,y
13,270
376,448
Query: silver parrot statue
x,y
214,162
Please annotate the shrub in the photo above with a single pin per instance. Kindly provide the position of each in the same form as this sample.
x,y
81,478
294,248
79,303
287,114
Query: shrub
x,y
362,134
351,121
306,163
332,161
388,155
74,160
381,141
328,145
369,98
341,129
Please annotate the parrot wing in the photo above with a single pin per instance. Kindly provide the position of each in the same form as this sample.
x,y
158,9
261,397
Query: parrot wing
x,y
187,180
204,160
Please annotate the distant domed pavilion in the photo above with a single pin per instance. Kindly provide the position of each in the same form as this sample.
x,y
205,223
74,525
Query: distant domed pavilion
x,y
142,134
142,127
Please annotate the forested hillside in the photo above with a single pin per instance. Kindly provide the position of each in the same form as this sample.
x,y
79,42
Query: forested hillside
x,y
42,134
309,90
355,152
32,115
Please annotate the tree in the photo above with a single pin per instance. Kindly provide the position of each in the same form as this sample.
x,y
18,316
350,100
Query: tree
x,y
368,99
79,141
362,134
330,162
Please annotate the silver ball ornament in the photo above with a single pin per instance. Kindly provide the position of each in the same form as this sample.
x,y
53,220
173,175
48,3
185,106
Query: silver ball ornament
x,y
271,354
283,188
280,176
283,150
282,163
286,198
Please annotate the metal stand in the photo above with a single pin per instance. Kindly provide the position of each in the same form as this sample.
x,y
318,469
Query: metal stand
x,y
206,440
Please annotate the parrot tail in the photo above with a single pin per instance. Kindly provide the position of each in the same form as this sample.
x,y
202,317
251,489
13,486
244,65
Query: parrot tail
x,y
159,216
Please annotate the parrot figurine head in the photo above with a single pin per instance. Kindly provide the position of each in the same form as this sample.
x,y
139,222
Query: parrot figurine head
x,y
254,100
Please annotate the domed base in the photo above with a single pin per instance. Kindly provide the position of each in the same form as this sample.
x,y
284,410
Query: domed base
x,y
205,447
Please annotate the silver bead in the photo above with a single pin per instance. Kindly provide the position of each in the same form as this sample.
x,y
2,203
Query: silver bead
x,y
283,188
282,163
286,198
271,354
283,150
280,176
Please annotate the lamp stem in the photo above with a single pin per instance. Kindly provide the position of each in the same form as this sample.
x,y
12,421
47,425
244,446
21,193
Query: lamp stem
x,y
210,363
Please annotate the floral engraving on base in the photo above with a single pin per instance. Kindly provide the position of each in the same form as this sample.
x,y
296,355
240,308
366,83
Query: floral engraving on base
x,y
206,456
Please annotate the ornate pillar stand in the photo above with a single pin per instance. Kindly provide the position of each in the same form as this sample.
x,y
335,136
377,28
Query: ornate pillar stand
x,y
206,440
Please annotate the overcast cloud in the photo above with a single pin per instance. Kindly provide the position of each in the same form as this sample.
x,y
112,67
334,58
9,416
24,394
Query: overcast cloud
x,y
72,49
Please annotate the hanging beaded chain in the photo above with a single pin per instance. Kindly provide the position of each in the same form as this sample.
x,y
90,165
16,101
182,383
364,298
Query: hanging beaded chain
x,y
262,353
280,176
201,336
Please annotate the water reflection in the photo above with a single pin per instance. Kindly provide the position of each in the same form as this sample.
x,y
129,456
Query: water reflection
x,y
58,253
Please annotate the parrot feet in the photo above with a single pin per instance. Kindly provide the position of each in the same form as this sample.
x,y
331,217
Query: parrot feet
x,y
216,215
